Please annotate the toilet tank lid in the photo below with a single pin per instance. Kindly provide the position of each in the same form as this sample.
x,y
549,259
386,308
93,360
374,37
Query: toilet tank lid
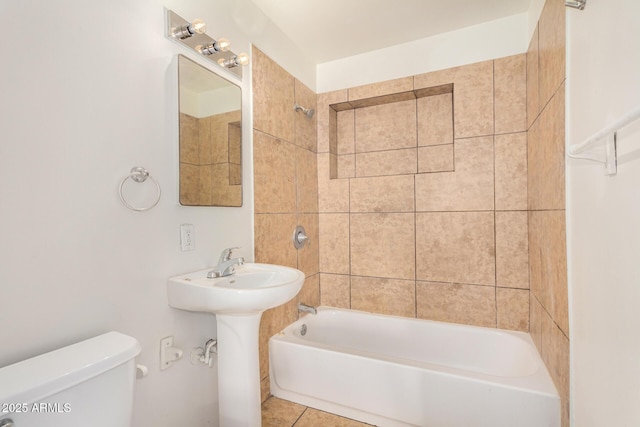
x,y
39,377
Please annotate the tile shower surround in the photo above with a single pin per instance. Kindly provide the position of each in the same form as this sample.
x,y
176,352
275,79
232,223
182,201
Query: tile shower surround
x,y
475,209
422,186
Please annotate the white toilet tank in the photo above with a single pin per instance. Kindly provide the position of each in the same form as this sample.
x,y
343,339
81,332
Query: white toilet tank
x,y
90,383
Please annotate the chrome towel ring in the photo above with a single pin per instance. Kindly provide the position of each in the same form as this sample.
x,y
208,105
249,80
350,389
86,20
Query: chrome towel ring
x,y
139,174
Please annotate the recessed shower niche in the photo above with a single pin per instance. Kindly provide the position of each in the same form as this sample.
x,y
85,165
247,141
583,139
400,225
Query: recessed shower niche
x,y
398,134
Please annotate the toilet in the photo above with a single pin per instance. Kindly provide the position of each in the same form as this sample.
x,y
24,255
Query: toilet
x,y
90,383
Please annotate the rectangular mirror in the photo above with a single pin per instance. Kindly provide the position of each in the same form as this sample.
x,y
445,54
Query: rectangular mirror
x,y
210,137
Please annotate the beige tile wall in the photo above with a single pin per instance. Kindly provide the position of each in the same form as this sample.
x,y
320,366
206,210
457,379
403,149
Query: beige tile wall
x,y
285,188
210,172
546,196
422,194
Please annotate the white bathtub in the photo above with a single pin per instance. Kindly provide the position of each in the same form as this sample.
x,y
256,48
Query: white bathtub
x,y
395,371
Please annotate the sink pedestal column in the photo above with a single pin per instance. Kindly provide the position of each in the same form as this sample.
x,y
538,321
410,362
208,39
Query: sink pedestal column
x,y
238,370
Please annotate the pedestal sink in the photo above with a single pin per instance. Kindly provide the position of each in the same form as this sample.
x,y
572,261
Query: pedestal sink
x,y
238,302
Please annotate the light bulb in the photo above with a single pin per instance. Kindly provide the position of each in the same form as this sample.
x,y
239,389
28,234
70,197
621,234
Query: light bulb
x,y
223,45
222,62
197,27
242,59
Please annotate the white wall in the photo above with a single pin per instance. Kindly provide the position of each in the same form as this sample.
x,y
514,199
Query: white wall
x,y
87,91
495,39
603,216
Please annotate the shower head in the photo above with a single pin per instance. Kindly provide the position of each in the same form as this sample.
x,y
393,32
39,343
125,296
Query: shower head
x,y
309,112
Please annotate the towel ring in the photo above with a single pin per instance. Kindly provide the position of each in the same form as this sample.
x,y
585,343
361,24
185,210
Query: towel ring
x,y
139,174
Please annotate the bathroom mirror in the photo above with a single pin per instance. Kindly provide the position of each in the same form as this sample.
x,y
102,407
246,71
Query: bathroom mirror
x,y
210,137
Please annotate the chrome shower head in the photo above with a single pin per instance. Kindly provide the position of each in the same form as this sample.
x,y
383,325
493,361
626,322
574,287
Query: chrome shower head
x,y
309,112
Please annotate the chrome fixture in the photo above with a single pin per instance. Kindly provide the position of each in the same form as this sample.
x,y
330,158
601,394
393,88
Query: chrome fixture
x,y
205,355
309,112
226,264
193,36
197,26
576,4
304,308
220,45
300,237
240,59
139,174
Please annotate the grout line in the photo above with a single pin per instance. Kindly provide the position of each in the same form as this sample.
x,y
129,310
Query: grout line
x,y
298,419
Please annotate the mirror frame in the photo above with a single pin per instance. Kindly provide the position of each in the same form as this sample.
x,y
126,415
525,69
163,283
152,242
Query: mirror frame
x,y
215,177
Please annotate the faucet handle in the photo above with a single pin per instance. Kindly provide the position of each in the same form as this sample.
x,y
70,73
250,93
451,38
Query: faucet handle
x,y
226,254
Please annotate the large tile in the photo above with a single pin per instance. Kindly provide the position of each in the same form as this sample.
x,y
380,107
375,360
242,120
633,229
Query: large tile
x,y
306,180
390,162
310,292
189,184
327,126
346,166
334,243
189,140
306,134
436,158
274,163
335,290
280,413
435,120
548,263
513,309
455,247
535,321
512,250
386,127
333,194
273,321
384,296
452,302
510,94
388,87
472,96
346,131
552,51
382,194
546,159
273,239
473,100
469,188
533,83
382,245
308,256
273,97
511,171
205,184
314,418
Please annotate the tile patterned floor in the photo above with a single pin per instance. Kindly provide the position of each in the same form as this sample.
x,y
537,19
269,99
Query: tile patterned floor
x,y
282,413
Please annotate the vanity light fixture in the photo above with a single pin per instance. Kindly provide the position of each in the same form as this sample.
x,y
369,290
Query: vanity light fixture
x,y
192,35
240,59
221,45
197,26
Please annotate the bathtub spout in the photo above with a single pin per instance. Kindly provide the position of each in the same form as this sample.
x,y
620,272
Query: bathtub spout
x,y
304,308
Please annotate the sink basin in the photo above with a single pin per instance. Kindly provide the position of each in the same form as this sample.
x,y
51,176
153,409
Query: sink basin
x,y
252,289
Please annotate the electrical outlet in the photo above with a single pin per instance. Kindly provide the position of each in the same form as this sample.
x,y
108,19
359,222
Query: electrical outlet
x,y
187,237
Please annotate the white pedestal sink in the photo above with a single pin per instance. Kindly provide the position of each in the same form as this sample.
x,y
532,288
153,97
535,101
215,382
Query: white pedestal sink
x,y
238,302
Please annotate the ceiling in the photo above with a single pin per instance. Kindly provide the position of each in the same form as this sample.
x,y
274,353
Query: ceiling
x,y
334,29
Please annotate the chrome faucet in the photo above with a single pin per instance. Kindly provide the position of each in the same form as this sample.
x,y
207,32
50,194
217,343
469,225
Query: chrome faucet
x,y
304,308
226,264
